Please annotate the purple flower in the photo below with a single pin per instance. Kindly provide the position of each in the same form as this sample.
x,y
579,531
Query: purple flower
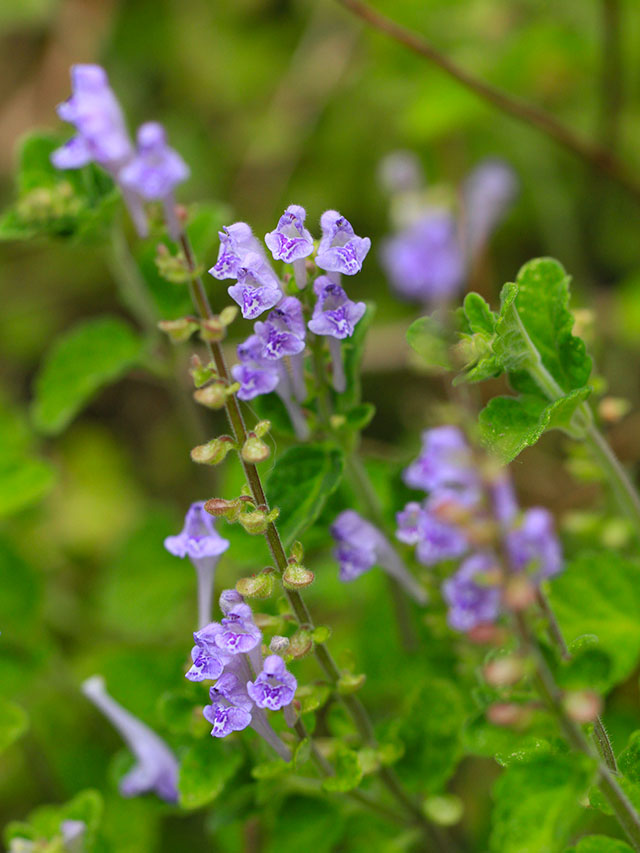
x,y
200,541
237,633
156,767
208,663
95,112
334,313
73,835
236,242
257,288
445,461
533,545
226,718
472,600
155,171
360,546
290,241
436,539
256,374
283,332
228,600
231,688
274,687
340,250
199,538
425,262
487,193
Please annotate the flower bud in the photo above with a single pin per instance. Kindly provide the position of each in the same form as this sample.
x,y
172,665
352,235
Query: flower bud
x,y
211,329
213,452
254,522
200,373
487,634
349,682
212,396
509,714
503,671
180,330
221,507
297,577
583,706
254,449
257,586
519,593
613,409
262,428
301,643
175,268
228,315
279,645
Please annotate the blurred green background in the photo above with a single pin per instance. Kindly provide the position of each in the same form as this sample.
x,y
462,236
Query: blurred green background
x,y
272,102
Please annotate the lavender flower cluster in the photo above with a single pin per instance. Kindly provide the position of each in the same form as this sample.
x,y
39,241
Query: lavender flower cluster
x,y
452,522
148,171
229,653
272,358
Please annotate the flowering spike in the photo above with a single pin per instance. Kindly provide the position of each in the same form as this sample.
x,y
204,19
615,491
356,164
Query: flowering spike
x,y
156,767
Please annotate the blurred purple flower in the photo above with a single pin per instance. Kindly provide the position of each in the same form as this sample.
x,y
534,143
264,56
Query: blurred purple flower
x,y
445,460
487,193
425,262
472,600
156,767
533,545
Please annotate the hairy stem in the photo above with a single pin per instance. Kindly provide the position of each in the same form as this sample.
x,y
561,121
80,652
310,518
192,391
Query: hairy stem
x,y
624,811
618,478
597,156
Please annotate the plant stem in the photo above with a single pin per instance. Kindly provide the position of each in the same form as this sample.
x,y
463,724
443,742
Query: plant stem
x,y
354,706
611,75
555,632
595,155
624,811
618,478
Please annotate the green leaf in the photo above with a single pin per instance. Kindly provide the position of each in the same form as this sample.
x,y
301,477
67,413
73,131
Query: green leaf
x,y
306,824
590,667
79,363
20,586
480,318
629,759
24,478
599,844
300,483
431,730
510,424
359,417
13,723
204,774
538,803
599,593
427,339
57,203
348,772
535,322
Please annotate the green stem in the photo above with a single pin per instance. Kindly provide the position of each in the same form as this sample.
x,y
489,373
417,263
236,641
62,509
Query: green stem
x,y
618,478
555,633
354,706
623,809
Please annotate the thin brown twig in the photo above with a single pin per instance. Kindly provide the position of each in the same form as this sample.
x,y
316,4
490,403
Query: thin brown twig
x,y
595,155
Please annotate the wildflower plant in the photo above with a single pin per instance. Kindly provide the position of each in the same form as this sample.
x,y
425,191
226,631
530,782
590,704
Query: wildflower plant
x,y
503,653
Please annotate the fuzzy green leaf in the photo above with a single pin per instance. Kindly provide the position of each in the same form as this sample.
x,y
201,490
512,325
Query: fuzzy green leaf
x,y
300,483
599,593
510,424
538,803
426,338
79,363
204,774
348,772
600,844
